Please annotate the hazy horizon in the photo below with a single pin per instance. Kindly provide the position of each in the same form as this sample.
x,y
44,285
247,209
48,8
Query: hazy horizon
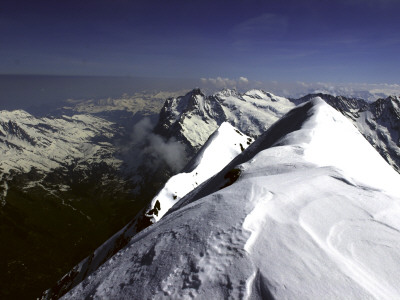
x,y
30,91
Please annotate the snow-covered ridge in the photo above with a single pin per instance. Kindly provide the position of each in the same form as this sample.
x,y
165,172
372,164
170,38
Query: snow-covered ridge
x,y
223,145
300,221
193,117
207,114
379,122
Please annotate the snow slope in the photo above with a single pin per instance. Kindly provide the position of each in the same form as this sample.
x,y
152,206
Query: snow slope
x,y
379,122
224,144
312,213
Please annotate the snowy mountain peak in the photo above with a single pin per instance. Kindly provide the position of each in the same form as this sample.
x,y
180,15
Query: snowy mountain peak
x,y
194,117
387,108
288,218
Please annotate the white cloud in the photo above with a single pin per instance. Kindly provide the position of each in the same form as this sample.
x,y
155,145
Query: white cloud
x,y
221,82
243,80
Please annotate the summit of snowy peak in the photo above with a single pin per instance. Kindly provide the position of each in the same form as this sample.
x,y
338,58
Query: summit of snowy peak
x,y
385,107
340,103
377,121
190,118
306,200
325,138
196,91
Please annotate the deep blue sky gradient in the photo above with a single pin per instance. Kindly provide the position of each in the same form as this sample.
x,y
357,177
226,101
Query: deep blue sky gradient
x,y
302,40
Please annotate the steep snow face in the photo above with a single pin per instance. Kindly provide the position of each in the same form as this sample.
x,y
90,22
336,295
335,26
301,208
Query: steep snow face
x,y
379,122
223,146
194,117
304,217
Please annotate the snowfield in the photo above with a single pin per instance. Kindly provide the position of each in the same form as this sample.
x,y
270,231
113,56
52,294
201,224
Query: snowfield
x,y
308,211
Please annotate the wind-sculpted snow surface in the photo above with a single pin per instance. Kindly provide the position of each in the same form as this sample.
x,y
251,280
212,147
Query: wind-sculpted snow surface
x,y
312,213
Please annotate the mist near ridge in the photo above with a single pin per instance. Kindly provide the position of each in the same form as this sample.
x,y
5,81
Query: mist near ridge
x,y
146,151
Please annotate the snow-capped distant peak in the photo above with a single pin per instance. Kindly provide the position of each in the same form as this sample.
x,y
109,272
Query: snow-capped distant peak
x,y
194,117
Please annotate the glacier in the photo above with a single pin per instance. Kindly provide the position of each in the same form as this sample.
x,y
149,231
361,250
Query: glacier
x,y
312,213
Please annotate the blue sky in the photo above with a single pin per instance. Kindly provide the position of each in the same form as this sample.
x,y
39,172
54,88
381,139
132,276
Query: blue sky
x,y
302,40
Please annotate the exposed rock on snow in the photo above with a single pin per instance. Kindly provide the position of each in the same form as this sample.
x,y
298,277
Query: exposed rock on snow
x,y
223,145
313,214
194,117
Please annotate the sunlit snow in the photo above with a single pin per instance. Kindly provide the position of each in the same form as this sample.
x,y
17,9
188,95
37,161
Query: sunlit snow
x,y
313,215
223,146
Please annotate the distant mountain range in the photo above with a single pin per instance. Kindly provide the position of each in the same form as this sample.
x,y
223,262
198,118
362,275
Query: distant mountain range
x,y
308,211
73,178
191,119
